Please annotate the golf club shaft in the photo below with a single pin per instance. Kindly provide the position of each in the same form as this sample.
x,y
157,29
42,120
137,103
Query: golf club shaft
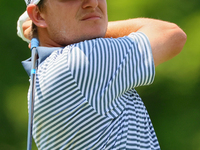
x,y
34,44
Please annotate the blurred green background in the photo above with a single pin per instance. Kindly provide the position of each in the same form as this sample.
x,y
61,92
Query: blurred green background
x,y
172,100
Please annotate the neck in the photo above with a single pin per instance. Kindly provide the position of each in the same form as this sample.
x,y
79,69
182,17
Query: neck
x,y
45,39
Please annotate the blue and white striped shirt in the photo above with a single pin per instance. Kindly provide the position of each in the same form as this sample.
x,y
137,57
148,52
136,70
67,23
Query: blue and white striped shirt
x,y
85,96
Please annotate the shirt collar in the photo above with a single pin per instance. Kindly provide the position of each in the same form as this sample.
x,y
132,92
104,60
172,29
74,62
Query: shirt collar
x,y
43,53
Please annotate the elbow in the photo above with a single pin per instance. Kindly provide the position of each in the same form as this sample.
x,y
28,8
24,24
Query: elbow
x,y
180,38
171,44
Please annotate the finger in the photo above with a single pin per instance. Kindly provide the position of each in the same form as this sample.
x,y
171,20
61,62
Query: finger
x,y
27,26
28,33
29,45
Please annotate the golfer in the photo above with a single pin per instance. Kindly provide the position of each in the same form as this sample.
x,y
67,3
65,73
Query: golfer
x,y
88,70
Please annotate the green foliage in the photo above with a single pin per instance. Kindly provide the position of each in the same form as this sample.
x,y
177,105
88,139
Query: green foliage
x,y
172,100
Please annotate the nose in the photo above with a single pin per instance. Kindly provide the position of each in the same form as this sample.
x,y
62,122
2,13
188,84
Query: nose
x,y
90,3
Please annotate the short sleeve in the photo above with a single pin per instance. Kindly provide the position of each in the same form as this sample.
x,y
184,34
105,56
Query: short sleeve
x,y
106,69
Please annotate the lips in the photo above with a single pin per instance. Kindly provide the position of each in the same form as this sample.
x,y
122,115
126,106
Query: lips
x,y
91,16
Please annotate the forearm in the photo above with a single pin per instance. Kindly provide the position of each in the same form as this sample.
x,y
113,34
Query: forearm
x,y
124,27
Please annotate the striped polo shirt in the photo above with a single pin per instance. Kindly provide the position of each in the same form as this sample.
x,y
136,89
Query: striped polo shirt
x,y
85,97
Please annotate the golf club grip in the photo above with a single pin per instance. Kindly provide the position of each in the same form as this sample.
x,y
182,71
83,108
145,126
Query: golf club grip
x,y
34,43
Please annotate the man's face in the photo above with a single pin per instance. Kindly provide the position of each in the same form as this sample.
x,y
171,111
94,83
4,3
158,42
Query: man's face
x,y
71,21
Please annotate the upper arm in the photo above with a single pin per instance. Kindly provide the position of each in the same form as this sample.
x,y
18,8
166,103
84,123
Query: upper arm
x,y
105,69
166,39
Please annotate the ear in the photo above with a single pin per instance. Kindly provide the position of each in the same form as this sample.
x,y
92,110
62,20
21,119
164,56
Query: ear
x,y
35,16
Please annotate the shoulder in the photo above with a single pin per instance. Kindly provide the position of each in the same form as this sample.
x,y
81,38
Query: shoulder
x,y
104,43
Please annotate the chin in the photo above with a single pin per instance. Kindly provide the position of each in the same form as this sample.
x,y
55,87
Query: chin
x,y
86,35
95,34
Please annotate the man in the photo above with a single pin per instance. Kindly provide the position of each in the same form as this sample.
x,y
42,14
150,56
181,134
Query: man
x,y
85,96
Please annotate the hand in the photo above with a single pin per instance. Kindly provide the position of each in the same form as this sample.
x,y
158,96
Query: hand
x,y
27,28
